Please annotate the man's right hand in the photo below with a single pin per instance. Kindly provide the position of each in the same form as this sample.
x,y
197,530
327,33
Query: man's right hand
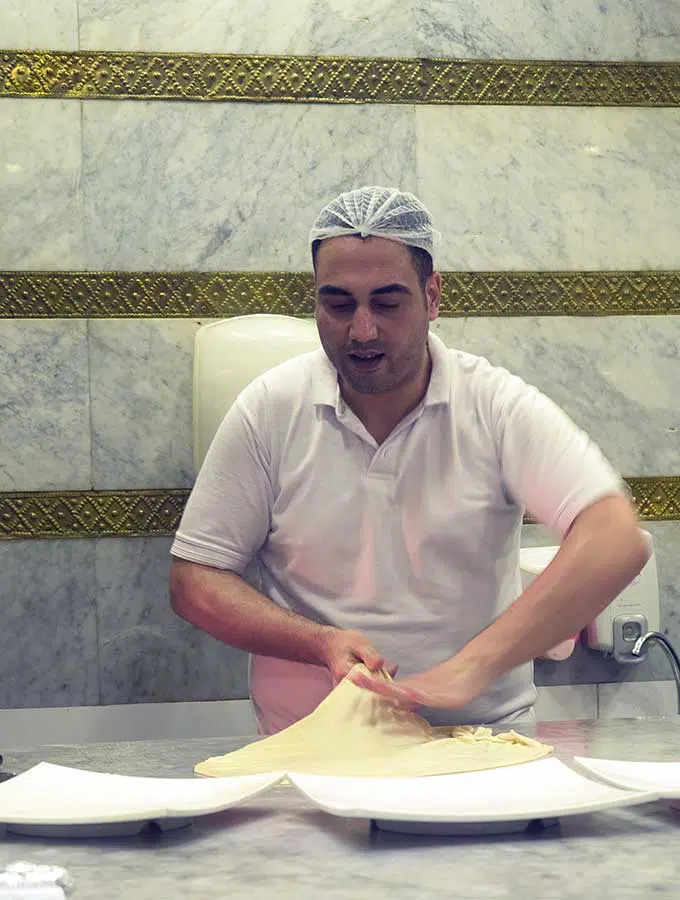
x,y
344,649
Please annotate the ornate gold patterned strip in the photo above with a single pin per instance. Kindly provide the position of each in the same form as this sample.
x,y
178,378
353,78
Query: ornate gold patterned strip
x,y
81,514
331,79
223,294
139,513
656,497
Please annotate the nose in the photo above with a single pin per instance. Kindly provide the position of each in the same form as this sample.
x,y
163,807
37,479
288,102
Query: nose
x,y
362,327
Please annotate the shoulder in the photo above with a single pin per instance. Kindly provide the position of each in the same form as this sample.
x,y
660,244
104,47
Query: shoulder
x,y
285,387
486,385
490,397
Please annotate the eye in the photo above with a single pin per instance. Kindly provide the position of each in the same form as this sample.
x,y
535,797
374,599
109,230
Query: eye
x,y
387,304
340,307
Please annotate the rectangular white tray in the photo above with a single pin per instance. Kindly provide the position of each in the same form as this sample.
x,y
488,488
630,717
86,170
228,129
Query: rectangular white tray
x,y
662,777
544,789
58,795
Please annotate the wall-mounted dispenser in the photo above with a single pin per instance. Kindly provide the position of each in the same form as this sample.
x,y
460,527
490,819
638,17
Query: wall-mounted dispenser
x,y
630,615
633,613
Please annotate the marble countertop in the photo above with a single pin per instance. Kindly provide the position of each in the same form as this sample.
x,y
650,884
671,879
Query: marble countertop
x,y
278,845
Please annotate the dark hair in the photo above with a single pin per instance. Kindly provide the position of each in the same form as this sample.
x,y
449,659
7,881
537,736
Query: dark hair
x,y
421,260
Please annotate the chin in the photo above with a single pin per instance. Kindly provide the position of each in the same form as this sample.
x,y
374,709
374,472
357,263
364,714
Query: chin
x,y
366,384
363,388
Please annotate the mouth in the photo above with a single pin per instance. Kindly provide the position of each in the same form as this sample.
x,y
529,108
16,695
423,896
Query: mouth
x,y
366,360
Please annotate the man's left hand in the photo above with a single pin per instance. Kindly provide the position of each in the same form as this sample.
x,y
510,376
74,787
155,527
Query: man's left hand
x,y
446,686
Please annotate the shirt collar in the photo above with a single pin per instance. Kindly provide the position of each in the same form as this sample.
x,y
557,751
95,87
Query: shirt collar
x,y
326,391
325,388
439,388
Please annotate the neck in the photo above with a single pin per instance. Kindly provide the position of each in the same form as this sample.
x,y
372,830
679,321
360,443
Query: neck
x,y
381,413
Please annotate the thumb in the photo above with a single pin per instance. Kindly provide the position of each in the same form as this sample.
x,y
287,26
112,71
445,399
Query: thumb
x,y
342,668
369,656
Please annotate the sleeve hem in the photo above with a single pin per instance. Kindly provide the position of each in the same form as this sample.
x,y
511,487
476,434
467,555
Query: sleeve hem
x,y
189,550
566,516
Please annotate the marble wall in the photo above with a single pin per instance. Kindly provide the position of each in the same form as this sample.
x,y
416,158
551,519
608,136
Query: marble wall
x,y
149,185
531,29
214,186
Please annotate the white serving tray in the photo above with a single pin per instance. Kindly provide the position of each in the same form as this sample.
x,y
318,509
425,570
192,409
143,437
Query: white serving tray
x,y
543,789
61,801
661,777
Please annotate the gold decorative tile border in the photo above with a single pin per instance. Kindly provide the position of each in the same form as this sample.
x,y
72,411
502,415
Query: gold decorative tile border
x,y
657,497
224,294
87,514
147,513
331,79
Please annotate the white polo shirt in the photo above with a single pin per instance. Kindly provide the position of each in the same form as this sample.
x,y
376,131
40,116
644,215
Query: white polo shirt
x,y
414,542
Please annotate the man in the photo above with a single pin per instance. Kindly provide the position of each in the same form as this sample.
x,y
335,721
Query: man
x,y
380,484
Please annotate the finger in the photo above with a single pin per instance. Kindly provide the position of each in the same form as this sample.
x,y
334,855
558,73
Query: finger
x,y
370,657
366,653
386,689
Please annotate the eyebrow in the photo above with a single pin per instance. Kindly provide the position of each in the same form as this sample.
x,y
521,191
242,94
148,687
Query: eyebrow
x,y
331,290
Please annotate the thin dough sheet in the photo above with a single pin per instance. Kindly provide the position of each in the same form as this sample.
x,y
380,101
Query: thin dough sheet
x,y
357,733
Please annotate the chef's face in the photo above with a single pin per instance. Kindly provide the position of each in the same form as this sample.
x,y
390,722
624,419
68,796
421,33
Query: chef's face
x,y
373,313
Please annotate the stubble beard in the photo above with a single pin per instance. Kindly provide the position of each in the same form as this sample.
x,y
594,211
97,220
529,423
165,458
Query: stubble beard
x,y
381,382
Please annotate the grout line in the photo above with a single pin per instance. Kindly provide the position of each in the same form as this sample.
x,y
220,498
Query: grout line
x,y
76,4
94,543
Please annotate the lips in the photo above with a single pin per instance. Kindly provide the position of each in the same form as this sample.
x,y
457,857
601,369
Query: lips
x,y
366,360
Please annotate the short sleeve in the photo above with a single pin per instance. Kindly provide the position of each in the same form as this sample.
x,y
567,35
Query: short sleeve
x,y
549,465
228,514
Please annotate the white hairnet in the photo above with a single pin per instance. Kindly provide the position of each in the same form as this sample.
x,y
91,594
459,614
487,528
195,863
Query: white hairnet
x,y
378,212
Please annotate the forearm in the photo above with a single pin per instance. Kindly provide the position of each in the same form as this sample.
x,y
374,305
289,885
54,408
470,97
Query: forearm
x,y
600,556
225,606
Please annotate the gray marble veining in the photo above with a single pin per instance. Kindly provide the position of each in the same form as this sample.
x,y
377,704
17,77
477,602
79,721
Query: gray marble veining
x,y
278,843
105,602
616,377
39,24
549,29
48,639
141,389
532,29
40,154
551,188
630,699
45,405
223,26
385,27
356,28
148,654
228,186
509,187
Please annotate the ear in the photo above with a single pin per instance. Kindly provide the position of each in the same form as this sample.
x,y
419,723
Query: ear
x,y
433,294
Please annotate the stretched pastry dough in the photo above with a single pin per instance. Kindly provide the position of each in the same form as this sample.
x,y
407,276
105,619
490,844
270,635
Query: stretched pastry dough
x,y
355,732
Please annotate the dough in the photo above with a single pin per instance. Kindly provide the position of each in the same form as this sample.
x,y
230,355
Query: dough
x,y
355,732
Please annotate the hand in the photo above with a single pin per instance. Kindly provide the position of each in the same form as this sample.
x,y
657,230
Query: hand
x,y
447,686
344,649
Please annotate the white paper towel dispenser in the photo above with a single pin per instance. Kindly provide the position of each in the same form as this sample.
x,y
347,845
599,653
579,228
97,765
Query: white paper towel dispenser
x,y
630,615
229,354
633,613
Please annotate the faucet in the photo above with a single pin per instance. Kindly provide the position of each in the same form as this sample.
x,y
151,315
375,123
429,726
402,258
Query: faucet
x,y
655,637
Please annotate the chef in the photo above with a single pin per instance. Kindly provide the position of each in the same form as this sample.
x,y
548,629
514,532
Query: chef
x,y
378,487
